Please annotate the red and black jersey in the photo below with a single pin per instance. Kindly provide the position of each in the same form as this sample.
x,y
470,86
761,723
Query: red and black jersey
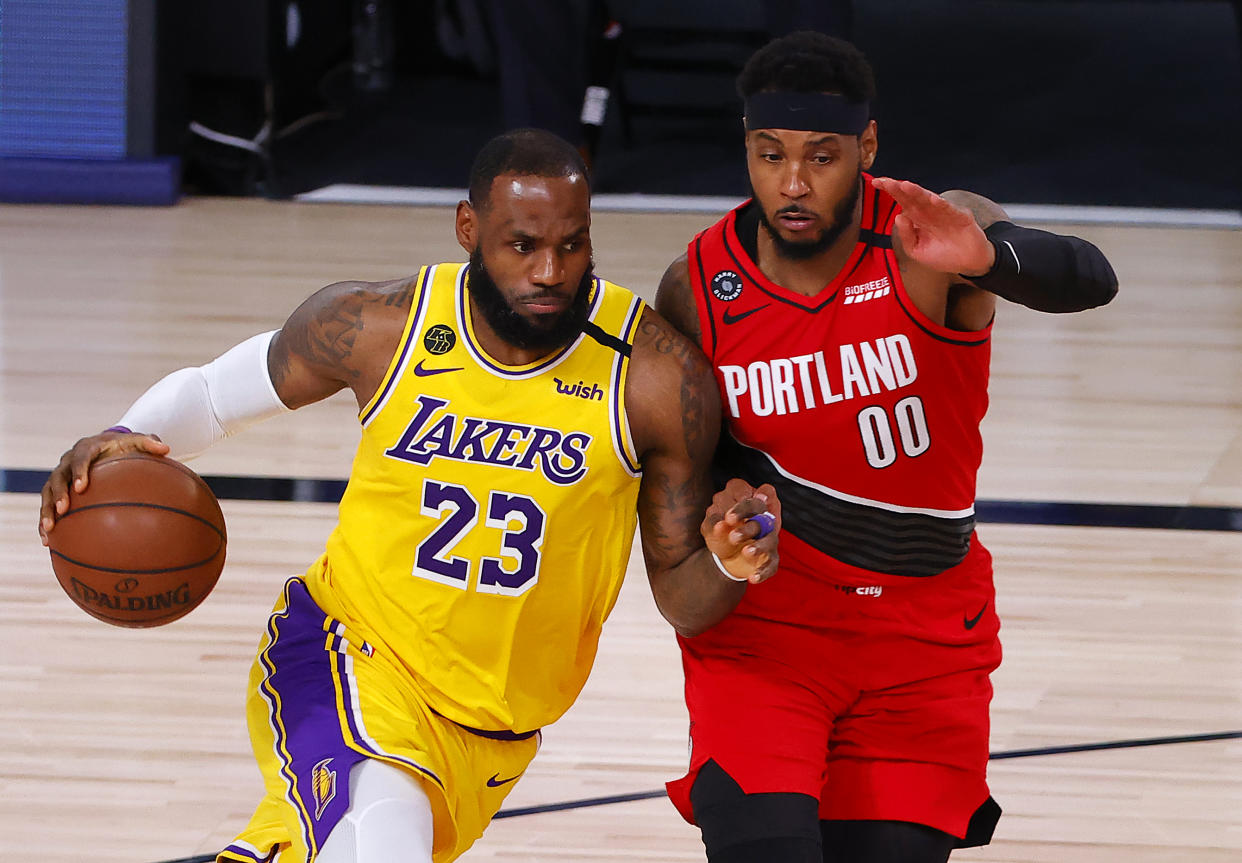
x,y
861,411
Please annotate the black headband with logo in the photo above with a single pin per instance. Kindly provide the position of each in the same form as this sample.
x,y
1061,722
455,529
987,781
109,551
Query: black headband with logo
x,y
806,112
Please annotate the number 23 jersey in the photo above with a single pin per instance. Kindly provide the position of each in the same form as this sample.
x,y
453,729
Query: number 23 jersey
x,y
861,411
490,512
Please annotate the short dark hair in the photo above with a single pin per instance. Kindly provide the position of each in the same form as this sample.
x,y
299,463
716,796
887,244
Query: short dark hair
x,y
808,62
528,152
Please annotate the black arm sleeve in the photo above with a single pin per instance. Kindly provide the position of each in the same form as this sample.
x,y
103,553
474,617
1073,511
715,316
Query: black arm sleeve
x,y
1046,272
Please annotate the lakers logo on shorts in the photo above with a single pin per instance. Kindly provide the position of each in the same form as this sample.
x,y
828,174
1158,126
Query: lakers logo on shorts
x,y
323,785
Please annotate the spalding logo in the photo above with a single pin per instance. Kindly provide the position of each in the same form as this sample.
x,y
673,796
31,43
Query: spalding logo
x,y
151,602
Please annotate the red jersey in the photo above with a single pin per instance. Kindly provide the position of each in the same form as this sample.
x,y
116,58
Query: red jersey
x,y
861,411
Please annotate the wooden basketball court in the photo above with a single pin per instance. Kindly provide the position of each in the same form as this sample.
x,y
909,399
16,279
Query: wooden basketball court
x,y
129,746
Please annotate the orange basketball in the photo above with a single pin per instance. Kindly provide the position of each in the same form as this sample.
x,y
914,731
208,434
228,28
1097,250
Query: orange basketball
x,y
143,545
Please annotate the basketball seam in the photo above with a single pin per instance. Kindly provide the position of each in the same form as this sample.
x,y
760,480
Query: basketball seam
x,y
159,459
159,506
163,571
167,462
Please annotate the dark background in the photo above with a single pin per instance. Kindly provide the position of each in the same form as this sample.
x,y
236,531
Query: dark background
x,y
1092,102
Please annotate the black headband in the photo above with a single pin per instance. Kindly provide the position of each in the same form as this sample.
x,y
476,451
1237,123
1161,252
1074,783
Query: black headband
x,y
806,112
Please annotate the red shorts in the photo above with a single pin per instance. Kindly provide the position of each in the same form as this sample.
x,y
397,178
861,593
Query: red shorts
x,y
879,711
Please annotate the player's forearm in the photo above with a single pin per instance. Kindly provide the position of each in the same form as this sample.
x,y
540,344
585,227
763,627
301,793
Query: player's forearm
x,y
696,594
1046,272
193,408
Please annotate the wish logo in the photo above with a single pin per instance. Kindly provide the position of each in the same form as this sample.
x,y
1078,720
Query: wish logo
x,y
726,286
581,389
437,433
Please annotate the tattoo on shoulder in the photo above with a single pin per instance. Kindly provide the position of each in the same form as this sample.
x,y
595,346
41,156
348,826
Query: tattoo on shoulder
x,y
675,300
331,327
402,293
667,340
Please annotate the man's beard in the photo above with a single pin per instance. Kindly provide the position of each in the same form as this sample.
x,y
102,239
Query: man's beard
x,y
801,250
547,335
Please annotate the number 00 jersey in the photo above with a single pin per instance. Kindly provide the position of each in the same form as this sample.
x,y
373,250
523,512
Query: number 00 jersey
x,y
862,412
490,511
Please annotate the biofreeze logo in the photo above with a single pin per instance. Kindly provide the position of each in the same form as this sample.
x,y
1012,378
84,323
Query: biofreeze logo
x,y
807,381
881,287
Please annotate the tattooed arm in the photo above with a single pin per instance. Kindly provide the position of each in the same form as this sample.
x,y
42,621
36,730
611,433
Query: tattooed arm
x,y
674,412
676,303
342,336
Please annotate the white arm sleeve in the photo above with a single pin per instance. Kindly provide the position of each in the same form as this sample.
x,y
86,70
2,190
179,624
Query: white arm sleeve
x,y
193,408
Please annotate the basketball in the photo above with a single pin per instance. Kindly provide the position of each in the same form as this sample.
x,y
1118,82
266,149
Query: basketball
x,y
143,545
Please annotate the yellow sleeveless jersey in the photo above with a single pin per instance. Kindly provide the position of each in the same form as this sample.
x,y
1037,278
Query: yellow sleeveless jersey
x,y
490,511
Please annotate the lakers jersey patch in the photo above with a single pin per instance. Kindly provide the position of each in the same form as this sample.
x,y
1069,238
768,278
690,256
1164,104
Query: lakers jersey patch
x,y
439,339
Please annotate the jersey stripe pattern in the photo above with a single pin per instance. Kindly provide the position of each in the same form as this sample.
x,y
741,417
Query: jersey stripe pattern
x,y
490,512
860,410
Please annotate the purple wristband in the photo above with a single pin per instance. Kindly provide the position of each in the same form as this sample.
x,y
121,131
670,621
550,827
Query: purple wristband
x,y
766,522
120,429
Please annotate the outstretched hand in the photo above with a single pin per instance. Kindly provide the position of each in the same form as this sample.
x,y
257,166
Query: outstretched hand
x,y
74,470
745,545
937,233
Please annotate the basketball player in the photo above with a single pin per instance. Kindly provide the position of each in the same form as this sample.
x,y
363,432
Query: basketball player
x,y
840,712
515,412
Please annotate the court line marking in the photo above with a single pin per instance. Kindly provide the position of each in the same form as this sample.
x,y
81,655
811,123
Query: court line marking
x,y
995,756
1033,512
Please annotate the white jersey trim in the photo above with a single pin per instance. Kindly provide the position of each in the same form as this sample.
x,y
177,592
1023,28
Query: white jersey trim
x,y
866,501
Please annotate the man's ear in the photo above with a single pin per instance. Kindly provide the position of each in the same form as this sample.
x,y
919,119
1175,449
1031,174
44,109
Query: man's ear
x,y
467,226
868,145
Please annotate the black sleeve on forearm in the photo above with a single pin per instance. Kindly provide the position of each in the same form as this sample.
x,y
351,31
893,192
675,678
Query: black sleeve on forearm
x,y
1046,272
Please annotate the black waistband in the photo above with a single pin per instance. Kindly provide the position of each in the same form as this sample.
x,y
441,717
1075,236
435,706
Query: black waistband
x,y
911,544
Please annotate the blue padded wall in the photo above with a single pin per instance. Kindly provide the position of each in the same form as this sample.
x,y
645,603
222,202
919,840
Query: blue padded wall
x,y
63,78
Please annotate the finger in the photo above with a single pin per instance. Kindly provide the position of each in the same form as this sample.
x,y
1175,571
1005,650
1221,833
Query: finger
x,y
765,523
734,490
153,445
921,203
715,529
765,562
80,468
47,510
54,499
771,500
903,191
746,508
905,230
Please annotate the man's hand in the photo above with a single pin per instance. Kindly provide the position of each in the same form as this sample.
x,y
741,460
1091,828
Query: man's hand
x,y
75,465
743,544
937,233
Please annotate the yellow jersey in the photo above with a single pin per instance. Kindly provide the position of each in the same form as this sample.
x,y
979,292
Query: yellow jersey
x,y
490,512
